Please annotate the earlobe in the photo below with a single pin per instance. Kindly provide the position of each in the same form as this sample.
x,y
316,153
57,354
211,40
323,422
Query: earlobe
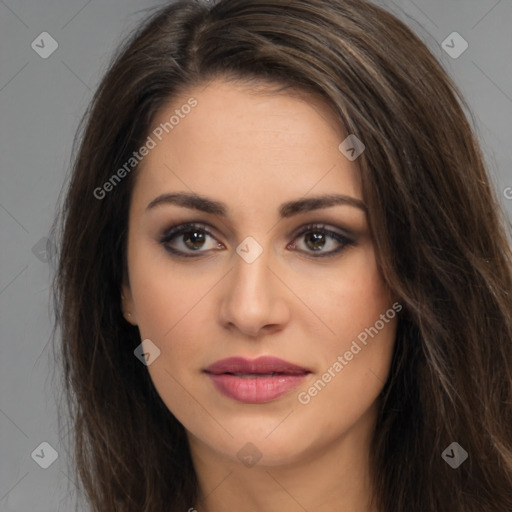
x,y
127,305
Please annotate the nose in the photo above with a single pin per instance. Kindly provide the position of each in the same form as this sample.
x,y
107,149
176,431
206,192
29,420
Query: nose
x,y
255,300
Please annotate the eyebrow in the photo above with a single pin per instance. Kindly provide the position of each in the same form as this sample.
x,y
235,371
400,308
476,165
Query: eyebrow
x,y
288,209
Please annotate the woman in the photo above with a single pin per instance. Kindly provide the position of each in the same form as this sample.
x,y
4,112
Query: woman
x,y
284,279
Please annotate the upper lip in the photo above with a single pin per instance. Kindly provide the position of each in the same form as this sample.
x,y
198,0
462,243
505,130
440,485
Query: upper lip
x,y
263,364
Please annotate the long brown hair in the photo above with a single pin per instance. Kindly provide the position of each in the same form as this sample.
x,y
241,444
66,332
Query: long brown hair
x,y
438,230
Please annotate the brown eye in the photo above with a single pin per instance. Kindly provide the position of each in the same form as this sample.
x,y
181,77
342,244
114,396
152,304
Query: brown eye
x,y
187,239
192,238
317,237
315,241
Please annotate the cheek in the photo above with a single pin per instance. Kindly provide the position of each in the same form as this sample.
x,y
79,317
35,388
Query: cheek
x,y
172,309
355,299
168,307
353,376
355,364
161,294
354,306
167,310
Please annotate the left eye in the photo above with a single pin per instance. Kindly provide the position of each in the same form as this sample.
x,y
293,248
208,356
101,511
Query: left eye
x,y
316,236
193,237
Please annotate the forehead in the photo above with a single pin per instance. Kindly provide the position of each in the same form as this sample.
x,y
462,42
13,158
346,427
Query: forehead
x,y
248,144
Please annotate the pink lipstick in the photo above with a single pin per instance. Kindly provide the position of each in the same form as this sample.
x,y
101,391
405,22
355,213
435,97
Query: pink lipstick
x,y
255,381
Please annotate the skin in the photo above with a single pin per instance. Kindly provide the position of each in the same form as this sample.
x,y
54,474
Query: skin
x,y
254,150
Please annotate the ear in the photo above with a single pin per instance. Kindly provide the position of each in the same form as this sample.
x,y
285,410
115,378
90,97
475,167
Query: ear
x,y
127,304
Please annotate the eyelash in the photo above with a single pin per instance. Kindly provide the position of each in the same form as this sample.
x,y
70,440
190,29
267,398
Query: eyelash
x,y
181,229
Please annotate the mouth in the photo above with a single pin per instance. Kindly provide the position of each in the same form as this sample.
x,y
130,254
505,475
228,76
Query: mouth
x,y
255,381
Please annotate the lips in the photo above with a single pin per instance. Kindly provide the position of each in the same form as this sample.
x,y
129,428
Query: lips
x,y
255,381
264,365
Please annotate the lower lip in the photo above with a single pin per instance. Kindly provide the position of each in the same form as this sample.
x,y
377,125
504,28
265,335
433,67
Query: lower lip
x,y
255,390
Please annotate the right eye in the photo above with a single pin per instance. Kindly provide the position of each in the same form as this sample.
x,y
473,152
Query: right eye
x,y
192,236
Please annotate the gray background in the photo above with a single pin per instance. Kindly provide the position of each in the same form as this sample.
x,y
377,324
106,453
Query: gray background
x,y
41,101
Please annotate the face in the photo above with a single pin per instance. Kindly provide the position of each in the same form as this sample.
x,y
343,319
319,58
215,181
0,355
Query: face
x,y
261,271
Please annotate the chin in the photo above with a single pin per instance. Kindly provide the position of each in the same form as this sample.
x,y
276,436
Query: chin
x,y
274,445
